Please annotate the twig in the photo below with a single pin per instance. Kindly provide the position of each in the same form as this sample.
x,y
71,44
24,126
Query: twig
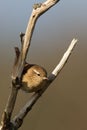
x,y
65,57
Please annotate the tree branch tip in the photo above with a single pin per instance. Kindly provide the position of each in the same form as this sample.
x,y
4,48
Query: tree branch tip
x,y
16,49
74,40
17,53
22,37
37,5
22,34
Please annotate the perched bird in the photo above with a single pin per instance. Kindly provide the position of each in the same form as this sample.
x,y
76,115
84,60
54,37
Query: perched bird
x,y
33,78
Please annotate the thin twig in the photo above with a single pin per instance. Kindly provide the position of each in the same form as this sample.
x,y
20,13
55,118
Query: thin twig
x,y
65,57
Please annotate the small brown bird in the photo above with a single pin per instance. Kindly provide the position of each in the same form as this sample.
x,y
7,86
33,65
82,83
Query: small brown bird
x,y
34,77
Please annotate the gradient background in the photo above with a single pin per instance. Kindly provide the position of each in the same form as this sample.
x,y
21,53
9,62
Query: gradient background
x,y
64,105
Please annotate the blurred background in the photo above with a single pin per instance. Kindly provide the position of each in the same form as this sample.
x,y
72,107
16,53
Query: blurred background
x,y
64,105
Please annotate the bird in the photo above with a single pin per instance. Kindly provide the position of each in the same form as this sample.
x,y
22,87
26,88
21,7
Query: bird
x,y
34,78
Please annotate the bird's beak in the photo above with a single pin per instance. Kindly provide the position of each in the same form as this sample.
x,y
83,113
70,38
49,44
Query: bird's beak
x,y
45,78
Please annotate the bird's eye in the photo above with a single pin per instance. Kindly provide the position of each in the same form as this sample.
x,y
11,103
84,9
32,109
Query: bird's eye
x,y
38,74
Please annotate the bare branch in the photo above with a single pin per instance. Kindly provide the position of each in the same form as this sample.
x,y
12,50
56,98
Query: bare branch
x,y
38,10
65,57
7,123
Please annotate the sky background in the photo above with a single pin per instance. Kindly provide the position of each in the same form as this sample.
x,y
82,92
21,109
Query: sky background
x,y
64,105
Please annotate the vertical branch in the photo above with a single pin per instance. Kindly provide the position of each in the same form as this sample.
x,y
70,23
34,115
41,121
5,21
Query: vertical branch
x,y
38,10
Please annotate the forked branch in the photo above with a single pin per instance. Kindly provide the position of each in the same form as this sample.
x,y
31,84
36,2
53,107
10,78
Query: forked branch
x,y
13,124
